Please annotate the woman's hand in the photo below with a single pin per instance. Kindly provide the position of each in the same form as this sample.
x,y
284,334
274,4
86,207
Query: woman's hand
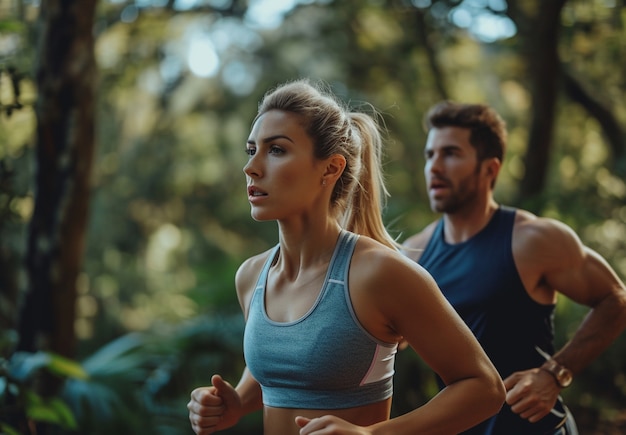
x,y
214,408
327,425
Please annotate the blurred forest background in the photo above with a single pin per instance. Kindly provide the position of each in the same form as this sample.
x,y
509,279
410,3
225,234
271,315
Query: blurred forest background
x,y
123,212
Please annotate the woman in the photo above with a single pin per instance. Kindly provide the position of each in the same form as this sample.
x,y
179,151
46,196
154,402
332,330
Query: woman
x,y
327,307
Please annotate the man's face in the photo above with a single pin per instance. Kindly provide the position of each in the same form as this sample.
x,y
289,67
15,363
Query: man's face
x,y
452,170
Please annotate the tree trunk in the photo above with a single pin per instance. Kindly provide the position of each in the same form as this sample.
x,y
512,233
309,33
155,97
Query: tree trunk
x,y
539,25
66,81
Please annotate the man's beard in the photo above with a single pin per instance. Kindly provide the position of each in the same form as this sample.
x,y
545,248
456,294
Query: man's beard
x,y
460,197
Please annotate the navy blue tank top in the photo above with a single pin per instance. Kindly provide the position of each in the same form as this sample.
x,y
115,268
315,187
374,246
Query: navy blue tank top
x,y
481,281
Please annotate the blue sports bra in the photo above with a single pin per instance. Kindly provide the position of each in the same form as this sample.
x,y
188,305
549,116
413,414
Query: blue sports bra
x,y
324,360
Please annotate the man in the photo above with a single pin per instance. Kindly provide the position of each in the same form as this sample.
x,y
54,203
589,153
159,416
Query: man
x,y
501,268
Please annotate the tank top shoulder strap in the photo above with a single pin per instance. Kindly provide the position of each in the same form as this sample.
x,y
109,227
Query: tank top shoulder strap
x,y
501,224
507,212
340,262
437,232
436,237
262,279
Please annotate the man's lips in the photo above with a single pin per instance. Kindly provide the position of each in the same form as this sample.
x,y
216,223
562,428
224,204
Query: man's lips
x,y
438,184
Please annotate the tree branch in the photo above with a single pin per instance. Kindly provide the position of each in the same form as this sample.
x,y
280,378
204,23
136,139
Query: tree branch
x,y
613,131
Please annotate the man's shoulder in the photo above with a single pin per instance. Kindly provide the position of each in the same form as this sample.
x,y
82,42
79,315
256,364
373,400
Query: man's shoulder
x,y
414,245
528,224
536,235
420,240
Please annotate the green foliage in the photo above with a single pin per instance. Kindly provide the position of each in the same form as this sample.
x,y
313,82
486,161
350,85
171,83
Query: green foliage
x,y
141,382
19,400
49,411
157,311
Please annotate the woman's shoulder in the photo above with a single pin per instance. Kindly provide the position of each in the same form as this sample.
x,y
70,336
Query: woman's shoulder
x,y
378,262
251,267
388,289
247,275
256,261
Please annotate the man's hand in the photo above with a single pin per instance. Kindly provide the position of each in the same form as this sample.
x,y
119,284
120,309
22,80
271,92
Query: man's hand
x,y
531,393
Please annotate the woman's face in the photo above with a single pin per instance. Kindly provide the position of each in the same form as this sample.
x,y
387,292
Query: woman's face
x,y
284,178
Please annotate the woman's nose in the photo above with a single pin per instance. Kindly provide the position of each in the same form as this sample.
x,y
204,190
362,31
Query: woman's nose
x,y
251,167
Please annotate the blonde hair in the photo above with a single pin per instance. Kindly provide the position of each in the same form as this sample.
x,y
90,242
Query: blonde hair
x,y
359,194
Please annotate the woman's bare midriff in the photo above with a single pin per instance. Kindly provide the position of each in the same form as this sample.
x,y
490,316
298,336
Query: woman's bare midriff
x,y
282,421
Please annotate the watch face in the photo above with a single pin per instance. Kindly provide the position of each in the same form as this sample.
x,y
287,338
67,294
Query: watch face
x,y
564,377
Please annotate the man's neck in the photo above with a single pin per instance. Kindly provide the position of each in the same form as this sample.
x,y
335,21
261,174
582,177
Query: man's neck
x,y
464,224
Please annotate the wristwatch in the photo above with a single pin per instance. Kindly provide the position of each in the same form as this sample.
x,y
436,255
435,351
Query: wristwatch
x,y
562,375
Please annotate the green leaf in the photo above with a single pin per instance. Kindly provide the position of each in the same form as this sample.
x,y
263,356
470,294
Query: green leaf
x,y
5,429
24,365
52,410
66,367
11,26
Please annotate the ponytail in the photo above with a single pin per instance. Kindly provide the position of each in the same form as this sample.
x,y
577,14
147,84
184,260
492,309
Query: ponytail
x,y
363,214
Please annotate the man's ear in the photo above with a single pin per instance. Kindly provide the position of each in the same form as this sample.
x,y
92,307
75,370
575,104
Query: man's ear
x,y
335,165
492,167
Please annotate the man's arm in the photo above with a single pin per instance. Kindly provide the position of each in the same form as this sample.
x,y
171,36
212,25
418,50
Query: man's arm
x,y
600,289
581,274
551,258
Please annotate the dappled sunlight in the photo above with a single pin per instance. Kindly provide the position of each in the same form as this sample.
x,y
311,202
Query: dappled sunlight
x,y
241,77
23,207
230,242
177,87
594,152
268,14
162,247
484,20
609,185
139,117
111,46
568,168
515,95
106,287
202,58
609,234
378,30
165,304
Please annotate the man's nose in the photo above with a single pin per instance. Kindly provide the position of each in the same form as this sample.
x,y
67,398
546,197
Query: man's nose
x,y
434,164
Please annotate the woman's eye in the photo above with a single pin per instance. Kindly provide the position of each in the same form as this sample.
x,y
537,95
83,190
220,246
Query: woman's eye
x,y
250,151
276,150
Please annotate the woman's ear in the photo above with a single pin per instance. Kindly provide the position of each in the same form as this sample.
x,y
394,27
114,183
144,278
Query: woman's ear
x,y
335,165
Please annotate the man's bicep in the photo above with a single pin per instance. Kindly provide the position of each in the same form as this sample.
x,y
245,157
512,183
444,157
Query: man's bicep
x,y
587,280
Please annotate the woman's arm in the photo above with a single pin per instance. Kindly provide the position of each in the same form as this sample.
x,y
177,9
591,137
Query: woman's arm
x,y
220,406
396,299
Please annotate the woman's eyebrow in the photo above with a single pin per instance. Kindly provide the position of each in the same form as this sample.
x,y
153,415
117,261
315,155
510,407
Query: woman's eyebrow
x,y
271,138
